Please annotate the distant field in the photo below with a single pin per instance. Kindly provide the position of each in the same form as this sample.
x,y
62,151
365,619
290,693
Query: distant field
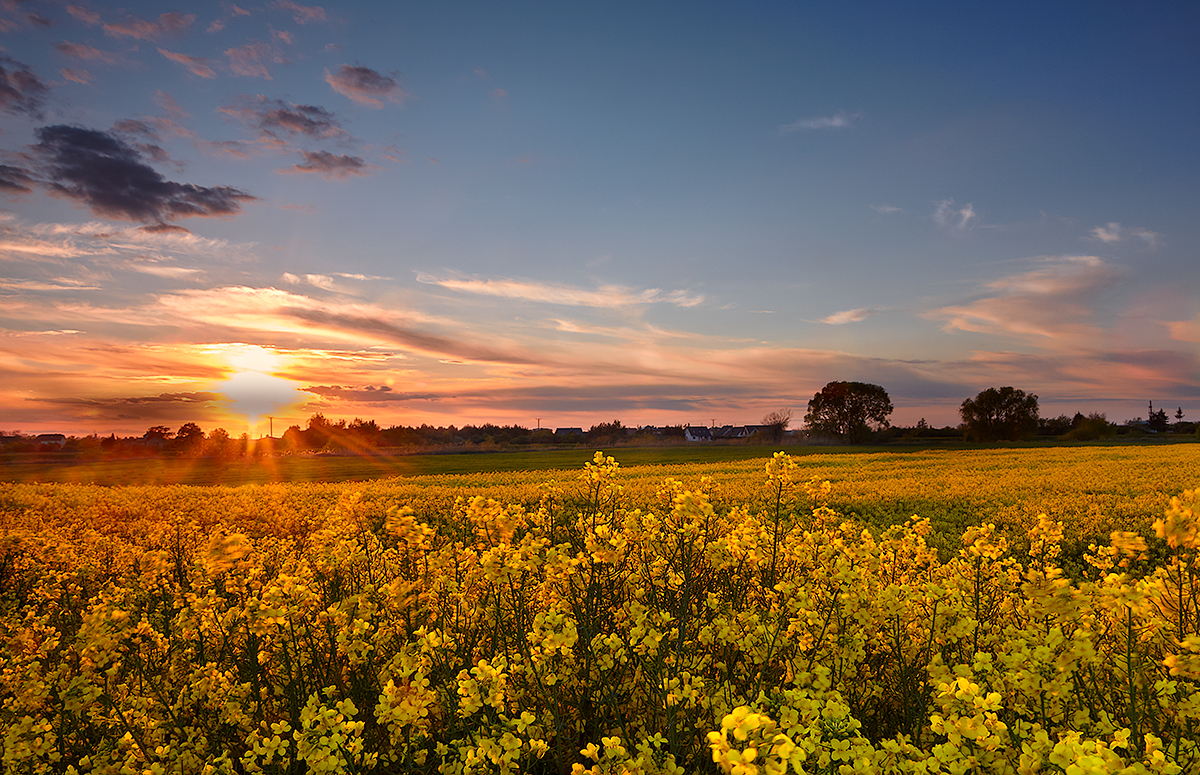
x,y
332,468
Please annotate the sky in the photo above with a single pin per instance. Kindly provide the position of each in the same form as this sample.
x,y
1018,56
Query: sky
x,y
560,214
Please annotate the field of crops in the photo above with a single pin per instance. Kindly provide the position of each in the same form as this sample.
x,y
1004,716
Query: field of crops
x,y
941,611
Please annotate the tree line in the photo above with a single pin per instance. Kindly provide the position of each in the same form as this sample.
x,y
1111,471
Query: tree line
x,y
842,411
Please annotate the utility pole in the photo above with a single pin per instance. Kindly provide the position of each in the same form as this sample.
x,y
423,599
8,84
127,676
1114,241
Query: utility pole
x,y
539,422
272,431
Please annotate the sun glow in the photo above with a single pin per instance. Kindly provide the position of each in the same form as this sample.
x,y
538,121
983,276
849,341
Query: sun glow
x,y
253,388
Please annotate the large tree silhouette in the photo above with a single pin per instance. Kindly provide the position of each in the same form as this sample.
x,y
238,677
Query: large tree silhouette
x,y
852,411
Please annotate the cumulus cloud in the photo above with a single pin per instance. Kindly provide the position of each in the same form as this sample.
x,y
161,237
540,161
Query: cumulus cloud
x,y
135,27
109,177
301,14
274,118
1049,305
946,214
198,66
330,166
550,293
838,120
20,90
848,316
364,85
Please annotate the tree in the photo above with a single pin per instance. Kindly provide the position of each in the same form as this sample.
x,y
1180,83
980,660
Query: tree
x,y
189,437
849,410
1000,414
776,423
607,432
1157,420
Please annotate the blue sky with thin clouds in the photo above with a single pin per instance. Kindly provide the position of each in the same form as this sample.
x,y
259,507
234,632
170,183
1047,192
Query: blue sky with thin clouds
x,y
568,213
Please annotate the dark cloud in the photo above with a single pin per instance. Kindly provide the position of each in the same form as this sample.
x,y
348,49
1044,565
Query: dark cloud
x,y
144,29
109,177
371,394
164,406
15,180
330,166
364,85
20,90
276,117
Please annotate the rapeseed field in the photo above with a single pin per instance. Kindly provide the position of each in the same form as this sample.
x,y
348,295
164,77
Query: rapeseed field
x,y
999,611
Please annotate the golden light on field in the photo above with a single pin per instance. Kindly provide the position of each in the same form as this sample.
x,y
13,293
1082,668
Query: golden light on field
x,y
253,388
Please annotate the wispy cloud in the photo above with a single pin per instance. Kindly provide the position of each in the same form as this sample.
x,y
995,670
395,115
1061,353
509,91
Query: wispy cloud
x,y
887,209
1115,232
848,316
839,120
198,66
365,86
948,215
301,14
275,118
550,293
88,53
21,91
251,60
135,27
330,166
1049,306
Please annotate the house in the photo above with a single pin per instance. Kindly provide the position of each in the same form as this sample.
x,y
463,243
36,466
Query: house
x,y
568,432
51,439
697,433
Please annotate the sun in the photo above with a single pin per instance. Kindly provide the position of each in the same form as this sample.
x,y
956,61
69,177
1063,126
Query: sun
x,y
254,389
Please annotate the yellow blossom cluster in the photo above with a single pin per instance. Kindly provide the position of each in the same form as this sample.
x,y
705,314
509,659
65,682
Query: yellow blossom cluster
x,y
599,625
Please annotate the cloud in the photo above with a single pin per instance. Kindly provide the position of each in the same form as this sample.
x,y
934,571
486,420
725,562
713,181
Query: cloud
x,y
198,66
330,166
886,209
1049,306
76,75
90,18
301,14
15,180
165,101
365,86
839,120
20,90
144,29
319,280
108,176
848,316
1115,232
61,284
173,407
947,215
89,53
275,117
251,59
550,293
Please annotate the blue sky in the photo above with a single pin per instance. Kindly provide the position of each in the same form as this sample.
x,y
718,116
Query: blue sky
x,y
569,213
